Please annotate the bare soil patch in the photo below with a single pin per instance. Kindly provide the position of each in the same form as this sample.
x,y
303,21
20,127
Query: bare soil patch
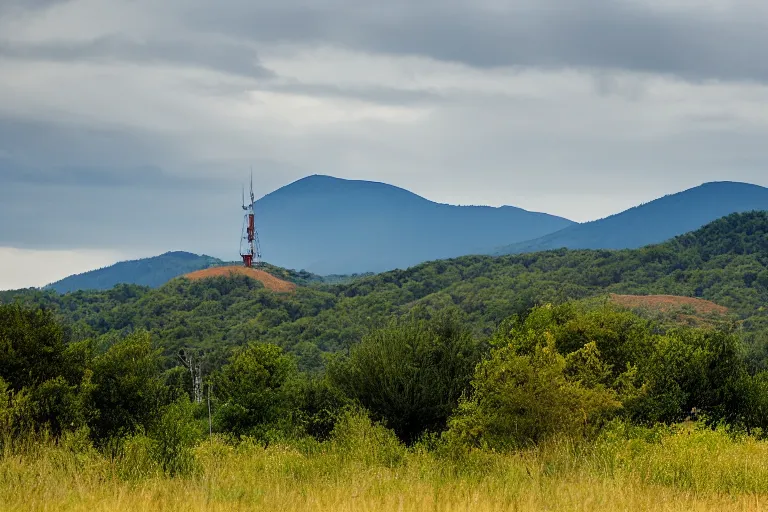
x,y
669,303
269,281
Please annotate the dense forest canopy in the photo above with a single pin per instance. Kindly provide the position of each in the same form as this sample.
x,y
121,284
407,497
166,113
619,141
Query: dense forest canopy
x,y
726,262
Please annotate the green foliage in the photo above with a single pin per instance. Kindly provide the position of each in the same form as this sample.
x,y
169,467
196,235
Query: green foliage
x,y
174,436
320,405
689,368
724,262
410,374
255,390
752,391
658,374
127,388
525,398
360,439
32,345
59,406
16,415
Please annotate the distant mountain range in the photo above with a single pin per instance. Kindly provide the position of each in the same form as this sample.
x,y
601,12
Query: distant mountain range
x,y
653,222
329,225
333,226
152,272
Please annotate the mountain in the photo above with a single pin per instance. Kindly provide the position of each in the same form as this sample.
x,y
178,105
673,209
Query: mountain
x,y
152,272
333,226
653,222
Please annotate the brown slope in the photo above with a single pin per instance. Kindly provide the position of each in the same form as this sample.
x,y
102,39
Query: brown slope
x,y
679,310
269,281
668,303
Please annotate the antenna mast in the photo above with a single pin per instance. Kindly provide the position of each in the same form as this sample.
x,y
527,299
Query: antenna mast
x,y
250,249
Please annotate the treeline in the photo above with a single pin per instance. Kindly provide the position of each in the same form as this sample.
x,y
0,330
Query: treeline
x,y
554,370
726,262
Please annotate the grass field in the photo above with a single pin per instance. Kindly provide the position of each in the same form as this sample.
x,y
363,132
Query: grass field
x,y
365,469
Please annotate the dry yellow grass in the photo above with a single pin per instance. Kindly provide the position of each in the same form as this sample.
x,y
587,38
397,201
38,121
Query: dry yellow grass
x,y
685,471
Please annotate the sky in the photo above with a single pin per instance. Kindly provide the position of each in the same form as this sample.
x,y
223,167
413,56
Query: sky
x,y
128,126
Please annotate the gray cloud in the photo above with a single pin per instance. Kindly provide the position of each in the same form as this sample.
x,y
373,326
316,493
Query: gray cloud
x,y
235,58
26,6
692,43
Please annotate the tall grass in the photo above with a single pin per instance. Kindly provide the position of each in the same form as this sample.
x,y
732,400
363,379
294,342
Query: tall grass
x,y
364,468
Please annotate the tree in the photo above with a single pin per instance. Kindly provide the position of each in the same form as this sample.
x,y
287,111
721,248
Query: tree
x,y
254,389
127,388
32,346
410,374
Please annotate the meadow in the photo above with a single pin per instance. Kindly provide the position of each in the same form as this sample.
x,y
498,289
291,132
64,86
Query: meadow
x,y
365,468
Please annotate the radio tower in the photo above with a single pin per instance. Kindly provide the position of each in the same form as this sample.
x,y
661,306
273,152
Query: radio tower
x,y
249,241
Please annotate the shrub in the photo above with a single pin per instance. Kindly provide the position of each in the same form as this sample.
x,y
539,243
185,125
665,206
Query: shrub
x,y
410,374
174,438
320,405
369,443
525,398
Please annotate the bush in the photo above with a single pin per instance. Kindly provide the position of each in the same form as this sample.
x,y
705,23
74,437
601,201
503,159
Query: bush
x,y
521,399
369,443
135,456
174,438
410,374
320,405
16,415
32,346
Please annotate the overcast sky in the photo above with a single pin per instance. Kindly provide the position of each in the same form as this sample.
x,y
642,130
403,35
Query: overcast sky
x,y
127,127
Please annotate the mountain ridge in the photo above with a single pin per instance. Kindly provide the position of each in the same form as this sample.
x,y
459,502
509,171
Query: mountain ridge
x,y
652,222
331,225
311,191
152,271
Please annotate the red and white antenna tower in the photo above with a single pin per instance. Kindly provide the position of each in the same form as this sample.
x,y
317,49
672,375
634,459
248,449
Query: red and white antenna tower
x,y
249,241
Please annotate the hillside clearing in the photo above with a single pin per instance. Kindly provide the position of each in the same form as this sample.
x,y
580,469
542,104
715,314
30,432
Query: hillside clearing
x,y
268,280
669,303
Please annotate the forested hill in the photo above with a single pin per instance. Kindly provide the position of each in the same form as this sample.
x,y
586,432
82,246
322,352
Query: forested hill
x,y
333,226
725,262
653,222
152,272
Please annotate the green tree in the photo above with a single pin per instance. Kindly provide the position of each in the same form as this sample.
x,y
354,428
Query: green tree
x,y
32,346
127,388
255,390
410,374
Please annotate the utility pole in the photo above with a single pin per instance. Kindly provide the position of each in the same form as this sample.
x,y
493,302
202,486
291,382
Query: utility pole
x,y
210,423
194,364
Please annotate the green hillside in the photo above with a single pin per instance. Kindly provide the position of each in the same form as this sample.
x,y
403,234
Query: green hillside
x,y
726,262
